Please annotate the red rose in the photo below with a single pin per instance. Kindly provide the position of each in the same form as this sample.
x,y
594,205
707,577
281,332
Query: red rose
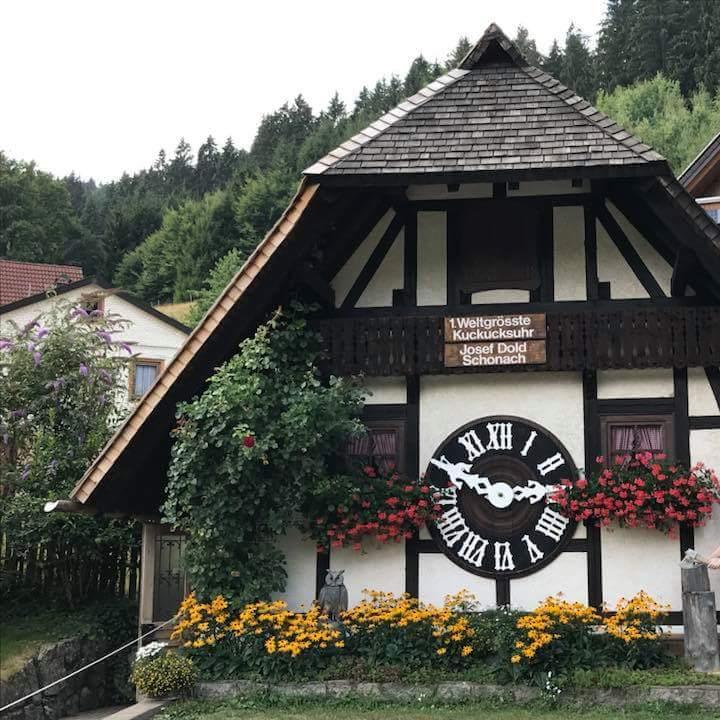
x,y
249,441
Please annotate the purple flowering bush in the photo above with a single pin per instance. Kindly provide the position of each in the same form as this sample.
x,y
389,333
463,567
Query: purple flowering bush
x,y
62,392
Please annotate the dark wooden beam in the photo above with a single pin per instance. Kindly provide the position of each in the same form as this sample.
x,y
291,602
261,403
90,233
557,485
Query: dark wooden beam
x,y
628,251
591,424
683,267
704,422
591,264
375,260
410,258
343,239
682,442
713,375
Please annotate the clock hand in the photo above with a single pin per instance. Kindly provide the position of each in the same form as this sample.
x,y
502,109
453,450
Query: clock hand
x,y
459,474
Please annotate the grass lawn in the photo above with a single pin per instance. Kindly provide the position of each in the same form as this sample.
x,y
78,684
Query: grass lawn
x,y
22,634
282,709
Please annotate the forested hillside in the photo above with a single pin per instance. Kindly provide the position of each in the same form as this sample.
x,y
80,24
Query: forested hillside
x,y
179,229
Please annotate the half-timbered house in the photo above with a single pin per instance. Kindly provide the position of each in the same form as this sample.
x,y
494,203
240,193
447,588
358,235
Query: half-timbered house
x,y
524,285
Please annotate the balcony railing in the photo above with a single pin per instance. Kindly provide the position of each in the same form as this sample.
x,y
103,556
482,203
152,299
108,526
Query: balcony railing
x,y
591,338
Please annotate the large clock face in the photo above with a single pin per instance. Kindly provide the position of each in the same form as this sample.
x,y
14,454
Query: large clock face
x,y
495,476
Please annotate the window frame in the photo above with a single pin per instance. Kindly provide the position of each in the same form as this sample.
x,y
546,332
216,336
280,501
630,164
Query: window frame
x,y
393,423
608,421
158,364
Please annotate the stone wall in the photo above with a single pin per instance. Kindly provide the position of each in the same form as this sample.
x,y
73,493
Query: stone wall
x,y
102,685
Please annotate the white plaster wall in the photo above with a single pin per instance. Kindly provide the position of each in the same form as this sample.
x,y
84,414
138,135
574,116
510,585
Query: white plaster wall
x,y
300,565
635,559
567,574
376,567
705,447
347,274
549,187
569,241
438,577
650,383
440,192
388,276
660,269
612,268
487,297
553,400
431,258
701,400
385,390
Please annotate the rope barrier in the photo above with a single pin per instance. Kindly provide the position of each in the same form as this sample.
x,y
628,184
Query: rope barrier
x,y
134,641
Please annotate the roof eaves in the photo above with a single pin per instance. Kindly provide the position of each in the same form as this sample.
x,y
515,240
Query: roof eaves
x,y
52,292
172,371
700,160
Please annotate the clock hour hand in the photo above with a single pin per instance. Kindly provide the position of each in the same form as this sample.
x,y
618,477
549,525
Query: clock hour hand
x,y
533,491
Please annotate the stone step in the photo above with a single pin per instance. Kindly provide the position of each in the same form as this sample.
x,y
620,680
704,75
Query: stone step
x,y
142,710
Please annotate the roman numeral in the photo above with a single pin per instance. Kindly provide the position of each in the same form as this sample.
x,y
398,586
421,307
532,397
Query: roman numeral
x,y
528,444
473,549
448,496
552,463
452,526
500,436
552,524
534,551
472,444
503,556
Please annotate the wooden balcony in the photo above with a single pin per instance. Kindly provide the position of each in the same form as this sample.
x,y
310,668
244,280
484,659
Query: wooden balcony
x,y
580,336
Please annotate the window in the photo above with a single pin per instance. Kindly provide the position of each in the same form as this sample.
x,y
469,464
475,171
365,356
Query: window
x,y
623,435
143,376
381,447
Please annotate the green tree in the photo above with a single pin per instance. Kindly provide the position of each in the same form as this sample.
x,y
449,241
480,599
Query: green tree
x,y
37,220
578,64
656,111
527,46
246,452
219,278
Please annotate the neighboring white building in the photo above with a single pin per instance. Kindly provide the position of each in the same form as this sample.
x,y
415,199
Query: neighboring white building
x,y
153,336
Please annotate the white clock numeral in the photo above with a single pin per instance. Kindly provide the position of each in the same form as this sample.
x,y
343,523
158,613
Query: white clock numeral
x,y
552,463
503,556
534,551
528,444
472,444
473,549
500,436
452,526
552,524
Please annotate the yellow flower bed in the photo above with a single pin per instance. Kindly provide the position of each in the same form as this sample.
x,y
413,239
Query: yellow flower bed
x,y
636,619
547,623
450,629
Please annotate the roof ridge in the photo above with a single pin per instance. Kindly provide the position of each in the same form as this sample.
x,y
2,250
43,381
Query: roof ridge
x,y
379,126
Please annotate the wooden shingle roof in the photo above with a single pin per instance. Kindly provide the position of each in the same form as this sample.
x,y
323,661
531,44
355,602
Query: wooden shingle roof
x,y
494,112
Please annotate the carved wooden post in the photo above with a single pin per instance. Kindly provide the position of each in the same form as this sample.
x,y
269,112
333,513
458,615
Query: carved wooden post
x,y
699,617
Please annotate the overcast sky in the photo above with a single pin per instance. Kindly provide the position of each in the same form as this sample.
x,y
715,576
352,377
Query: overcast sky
x,y
99,87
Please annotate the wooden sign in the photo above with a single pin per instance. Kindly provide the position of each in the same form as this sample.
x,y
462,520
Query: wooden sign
x,y
486,340
505,352
488,328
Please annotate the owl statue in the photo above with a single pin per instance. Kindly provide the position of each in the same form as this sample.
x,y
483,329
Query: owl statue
x,y
333,597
